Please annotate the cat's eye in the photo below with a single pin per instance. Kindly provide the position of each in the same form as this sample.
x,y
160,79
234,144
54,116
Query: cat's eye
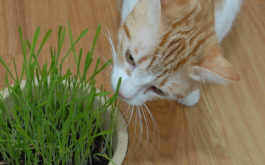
x,y
129,58
157,91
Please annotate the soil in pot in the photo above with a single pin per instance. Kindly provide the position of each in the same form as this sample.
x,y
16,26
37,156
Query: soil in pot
x,y
99,160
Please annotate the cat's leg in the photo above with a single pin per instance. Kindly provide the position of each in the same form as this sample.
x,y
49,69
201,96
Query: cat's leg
x,y
191,99
225,14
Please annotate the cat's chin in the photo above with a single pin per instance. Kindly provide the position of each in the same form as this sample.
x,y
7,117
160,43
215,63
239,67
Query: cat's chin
x,y
132,102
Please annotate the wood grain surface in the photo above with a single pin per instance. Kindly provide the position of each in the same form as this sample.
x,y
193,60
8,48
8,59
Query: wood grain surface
x,y
226,127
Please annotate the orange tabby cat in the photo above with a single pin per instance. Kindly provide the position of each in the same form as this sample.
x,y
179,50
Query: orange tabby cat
x,y
167,48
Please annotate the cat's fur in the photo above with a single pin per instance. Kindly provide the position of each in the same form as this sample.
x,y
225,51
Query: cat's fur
x,y
167,48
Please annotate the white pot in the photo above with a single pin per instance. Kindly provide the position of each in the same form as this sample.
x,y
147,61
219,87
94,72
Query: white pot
x,y
120,140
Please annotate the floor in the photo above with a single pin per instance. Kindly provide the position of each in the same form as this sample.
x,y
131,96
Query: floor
x,y
226,127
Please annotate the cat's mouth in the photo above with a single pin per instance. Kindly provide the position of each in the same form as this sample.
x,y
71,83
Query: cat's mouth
x,y
131,95
146,90
133,100
139,99
123,97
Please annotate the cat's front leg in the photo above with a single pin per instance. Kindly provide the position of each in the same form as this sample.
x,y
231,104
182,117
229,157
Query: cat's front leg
x,y
191,99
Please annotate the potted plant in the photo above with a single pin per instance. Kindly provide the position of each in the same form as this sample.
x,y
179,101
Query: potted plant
x,y
53,117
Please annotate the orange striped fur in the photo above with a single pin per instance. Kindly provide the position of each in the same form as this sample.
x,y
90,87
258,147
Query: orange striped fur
x,y
178,51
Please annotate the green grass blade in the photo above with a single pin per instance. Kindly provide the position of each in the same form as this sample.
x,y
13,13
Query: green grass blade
x,y
74,44
45,38
88,61
118,87
103,67
79,61
95,39
24,51
71,40
34,42
7,68
15,66
61,36
72,47
100,94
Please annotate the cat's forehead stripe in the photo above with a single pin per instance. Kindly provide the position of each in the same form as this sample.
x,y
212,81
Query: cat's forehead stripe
x,y
152,61
164,40
165,37
178,22
175,41
194,51
126,30
201,42
162,74
163,82
176,50
143,59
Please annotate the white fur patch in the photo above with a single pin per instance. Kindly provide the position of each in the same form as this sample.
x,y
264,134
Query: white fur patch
x,y
127,8
225,14
192,99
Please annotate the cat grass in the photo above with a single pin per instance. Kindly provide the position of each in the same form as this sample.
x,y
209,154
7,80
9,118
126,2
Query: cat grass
x,y
55,118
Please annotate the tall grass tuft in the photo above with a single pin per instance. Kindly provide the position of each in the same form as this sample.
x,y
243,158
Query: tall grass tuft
x,y
52,117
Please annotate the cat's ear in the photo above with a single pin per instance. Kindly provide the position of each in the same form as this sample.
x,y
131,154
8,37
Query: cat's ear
x,y
214,67
144,23
153,12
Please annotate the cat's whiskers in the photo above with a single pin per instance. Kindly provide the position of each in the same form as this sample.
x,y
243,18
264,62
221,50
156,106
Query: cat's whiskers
x,y
143,139
134,137
140,121
156,130
146,126
136,141
140,126
146,121
112,47
129,113
126,112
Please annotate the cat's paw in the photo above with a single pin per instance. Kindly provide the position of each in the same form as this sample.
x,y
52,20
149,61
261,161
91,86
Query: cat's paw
x,y
192,99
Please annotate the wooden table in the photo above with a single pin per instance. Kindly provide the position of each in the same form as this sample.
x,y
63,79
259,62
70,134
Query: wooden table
x,y
226,127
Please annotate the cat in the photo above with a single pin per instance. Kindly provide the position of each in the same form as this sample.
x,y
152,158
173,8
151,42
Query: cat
x,y
167,48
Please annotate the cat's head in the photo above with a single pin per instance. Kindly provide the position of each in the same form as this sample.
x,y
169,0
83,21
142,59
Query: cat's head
x,y
161,54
